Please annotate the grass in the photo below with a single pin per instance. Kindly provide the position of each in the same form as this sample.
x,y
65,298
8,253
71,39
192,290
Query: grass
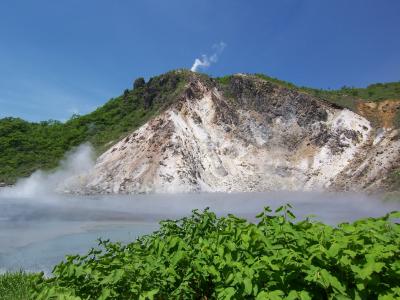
x,y
16,286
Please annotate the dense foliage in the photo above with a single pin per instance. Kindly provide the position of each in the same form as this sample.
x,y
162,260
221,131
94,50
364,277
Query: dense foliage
x,y
26,147
16,286
206,257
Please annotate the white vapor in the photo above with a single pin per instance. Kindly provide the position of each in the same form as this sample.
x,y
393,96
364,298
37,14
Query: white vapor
x,y
205,61
68,175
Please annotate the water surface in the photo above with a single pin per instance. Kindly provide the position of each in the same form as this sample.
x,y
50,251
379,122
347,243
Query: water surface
x,y
37,232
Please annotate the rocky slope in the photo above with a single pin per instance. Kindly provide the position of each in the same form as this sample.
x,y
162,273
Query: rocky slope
x,y
247,134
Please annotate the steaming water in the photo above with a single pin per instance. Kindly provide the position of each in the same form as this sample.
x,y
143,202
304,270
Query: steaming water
x,y
38,227
37,232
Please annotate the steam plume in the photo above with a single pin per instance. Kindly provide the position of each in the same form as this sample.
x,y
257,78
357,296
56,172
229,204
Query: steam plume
x,y
68,175
205,61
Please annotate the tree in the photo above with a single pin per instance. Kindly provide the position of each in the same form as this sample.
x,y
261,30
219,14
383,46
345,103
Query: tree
x,y
139,82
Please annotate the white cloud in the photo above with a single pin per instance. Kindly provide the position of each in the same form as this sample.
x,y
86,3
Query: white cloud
x,y
205,61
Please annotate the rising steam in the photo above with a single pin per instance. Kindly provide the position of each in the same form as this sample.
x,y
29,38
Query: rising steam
x,y
66,177
205,61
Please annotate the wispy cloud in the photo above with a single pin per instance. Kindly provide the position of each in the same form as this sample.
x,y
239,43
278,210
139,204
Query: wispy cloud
x,y
205,61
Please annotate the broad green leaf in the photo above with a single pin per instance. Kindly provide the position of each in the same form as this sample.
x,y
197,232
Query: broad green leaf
x,y
333,250
263,295
229,279
276,295
332,281
226,293
305,295
105,293
248,287
301,295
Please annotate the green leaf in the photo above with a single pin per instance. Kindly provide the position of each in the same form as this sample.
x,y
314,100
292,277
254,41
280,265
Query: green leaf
x,y
332,281
248,287
333,250
276,295
105,293
229,279
394,215
267,209
305,295
226,293
260,215
263,295
291,215
369,268
149,295
293,295
302,295
177,257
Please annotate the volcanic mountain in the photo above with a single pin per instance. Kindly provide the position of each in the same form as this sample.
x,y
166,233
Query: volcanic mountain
x,y
245,133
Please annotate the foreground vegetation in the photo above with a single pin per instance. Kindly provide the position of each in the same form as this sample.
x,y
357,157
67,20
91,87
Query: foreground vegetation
x,y
16,286
206,257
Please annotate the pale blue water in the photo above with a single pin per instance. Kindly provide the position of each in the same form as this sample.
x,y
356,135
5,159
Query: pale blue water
x,y
44,254
36,233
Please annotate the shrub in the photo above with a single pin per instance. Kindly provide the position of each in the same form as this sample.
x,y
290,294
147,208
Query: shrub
x,y
139,83
206,257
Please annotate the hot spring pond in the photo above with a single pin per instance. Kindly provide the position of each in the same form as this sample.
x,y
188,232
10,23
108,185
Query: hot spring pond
x,y
36,233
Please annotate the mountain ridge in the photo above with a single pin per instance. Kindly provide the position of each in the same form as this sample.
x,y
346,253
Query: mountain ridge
x,y
251,135
120,116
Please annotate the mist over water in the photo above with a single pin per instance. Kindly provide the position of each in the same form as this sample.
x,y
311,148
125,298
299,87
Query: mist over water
x,y
67,176
39,225
37,236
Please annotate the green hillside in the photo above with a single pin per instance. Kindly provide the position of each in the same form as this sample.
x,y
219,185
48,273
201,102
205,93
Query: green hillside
x,y
26,147
344,97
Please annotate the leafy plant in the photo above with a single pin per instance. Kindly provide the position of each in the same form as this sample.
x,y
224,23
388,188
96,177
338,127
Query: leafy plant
x,y
206,257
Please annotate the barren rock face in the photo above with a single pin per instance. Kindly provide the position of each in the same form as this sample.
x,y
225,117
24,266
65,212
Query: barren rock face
x,y
382,113
251,136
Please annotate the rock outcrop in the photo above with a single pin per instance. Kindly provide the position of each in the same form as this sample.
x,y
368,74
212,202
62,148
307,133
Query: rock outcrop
x,y
247,135
382,113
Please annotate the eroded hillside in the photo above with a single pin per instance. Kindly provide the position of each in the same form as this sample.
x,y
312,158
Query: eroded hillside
x,y
184,131
247,134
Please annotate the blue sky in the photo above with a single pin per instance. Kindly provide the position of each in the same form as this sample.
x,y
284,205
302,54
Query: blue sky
x,y
62,57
